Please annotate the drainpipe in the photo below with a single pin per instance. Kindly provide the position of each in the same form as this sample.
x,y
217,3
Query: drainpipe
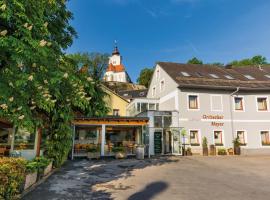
x,y
231,110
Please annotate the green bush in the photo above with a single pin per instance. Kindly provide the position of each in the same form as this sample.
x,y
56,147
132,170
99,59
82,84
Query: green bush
x,y
12,175
93,149
32,166
118,149
222,151
42,162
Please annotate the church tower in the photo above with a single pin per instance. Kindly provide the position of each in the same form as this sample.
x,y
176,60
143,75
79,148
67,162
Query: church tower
x,y
116,71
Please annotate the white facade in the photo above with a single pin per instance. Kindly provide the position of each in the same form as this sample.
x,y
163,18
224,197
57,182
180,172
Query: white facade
x,y
215,115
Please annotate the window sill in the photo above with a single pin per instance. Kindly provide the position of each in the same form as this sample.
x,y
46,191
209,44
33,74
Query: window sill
x,y
194,144
219,144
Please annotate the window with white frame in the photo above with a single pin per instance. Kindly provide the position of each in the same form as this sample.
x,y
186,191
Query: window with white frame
x,y
238,103
162,85
194,137
193,103
242,137
262,103
218,138
216,103
265,138
154,91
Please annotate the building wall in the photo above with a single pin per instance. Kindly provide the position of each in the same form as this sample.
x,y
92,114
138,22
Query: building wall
x,y
250,120
158,76
113,101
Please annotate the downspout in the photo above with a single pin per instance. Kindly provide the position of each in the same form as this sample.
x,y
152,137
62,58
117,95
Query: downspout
x,y
231,110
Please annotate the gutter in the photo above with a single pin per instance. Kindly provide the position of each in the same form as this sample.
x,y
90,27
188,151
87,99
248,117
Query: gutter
x,y
231,110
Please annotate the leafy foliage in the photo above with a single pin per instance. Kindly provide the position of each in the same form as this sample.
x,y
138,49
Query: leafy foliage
x,y
255,60
145,76
195,61
12,173
39,85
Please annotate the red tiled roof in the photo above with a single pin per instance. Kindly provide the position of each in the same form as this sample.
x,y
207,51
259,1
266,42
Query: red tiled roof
x,y
116,68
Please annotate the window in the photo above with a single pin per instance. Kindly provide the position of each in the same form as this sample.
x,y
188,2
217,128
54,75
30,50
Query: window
x,y
151,106
193,102
185,74
216,103
167,121
194,137
214,75
157,121
144,107
115,112
228,77
154,91
262,103
199,74
242,137
138,107
238,103
265,138
249,77
218,138
24,139
162,85
267,76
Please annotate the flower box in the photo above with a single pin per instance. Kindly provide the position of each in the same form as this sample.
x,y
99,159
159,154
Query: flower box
x,y
30,179
47,169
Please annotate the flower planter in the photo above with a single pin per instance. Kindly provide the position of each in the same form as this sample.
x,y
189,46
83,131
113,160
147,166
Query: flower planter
x,y
212,150
205,151
237,150
30,179
120,155
93,155
47,169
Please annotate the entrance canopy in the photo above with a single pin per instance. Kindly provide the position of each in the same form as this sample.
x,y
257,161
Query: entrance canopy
x,y
107,133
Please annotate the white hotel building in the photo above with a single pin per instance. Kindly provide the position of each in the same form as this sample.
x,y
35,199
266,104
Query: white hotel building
x,y
208,101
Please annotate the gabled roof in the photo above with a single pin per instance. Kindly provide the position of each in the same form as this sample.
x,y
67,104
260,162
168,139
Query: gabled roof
x,y
215,77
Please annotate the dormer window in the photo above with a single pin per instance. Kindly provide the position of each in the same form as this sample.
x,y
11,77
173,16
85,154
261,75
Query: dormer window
x,y
214,75
185,74
249,77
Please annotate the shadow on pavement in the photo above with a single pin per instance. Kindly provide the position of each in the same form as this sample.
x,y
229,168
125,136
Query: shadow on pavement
x,y
83,179
150,191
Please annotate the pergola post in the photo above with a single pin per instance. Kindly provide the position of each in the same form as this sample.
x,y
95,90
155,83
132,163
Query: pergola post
x,y
103,132
73,141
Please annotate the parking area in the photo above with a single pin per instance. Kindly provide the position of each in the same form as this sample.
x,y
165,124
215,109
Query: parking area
x,y
187,178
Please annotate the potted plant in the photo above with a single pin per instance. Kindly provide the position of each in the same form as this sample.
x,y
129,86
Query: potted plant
x,y
213,150
93,152
222,152
31,174
183,135
205,146
188,152
119,152
236,146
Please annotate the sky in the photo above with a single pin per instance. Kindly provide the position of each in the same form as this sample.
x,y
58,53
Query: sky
x,y
148,31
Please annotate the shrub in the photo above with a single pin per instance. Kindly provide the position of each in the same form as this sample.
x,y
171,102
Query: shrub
x,y
204,143
93,149
42,162
12,174
118,149
222,151
32,166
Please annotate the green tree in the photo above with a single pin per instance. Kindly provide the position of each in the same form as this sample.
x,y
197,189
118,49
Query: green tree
x,y
94,63
255,60
145,76
195,60
39,86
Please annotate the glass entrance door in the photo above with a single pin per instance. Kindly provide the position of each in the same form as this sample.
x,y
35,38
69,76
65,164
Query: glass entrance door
x,y
176,142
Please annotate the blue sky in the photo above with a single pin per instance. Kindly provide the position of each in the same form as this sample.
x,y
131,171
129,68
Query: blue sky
x,y
148,31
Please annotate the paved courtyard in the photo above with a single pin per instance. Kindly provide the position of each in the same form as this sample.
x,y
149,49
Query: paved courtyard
x,y
169,178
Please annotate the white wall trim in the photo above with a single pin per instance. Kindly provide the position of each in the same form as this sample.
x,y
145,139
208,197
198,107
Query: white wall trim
x,y
198,101
245,136
261,145
199,135
267,101
222,135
